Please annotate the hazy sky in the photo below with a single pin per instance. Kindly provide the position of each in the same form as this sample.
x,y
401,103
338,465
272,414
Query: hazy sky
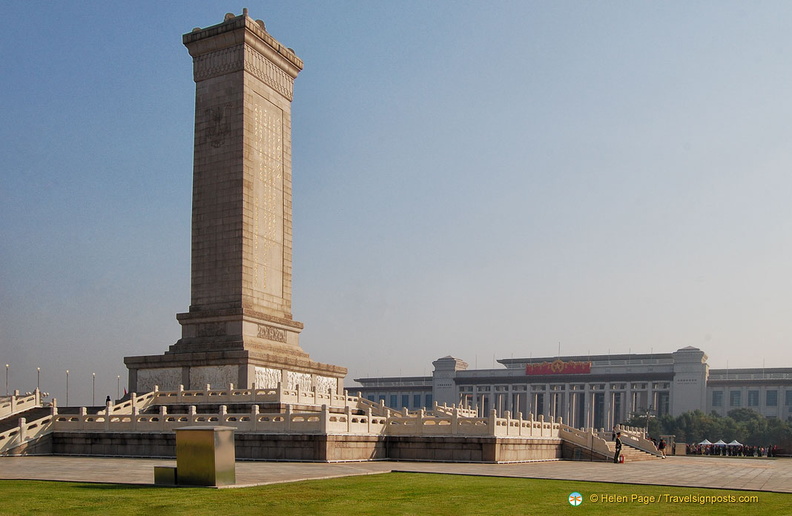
x,y
479,179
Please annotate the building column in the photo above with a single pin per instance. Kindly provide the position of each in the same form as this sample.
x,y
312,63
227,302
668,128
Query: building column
x,y
587,415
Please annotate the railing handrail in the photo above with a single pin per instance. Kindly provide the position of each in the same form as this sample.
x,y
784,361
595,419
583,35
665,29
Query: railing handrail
x,y
15,403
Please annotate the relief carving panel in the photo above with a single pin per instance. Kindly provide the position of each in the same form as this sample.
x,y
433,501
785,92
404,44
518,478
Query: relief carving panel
x,y
217,376
270,333
326,384
267,378
294,379
167,378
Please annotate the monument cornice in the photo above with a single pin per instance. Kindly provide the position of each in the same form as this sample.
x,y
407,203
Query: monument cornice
x,y
233,313
229,43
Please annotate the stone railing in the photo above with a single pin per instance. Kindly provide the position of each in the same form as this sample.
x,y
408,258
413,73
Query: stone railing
x,y
448,410
231,396
378,409
350,421
322,421
140,403
587,438
10,405
634,437
420,423
25,431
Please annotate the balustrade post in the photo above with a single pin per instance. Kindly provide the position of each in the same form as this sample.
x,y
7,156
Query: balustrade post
x,y
13,402
223,414
324,419
254,415
288,418
541,425
135,412
368,419
492,421
192,411
348,414
455,421
180,395
163,419
22,429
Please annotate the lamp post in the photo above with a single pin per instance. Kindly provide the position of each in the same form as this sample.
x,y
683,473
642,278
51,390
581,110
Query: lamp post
x,y
38,378
6,379
93,387
67,387
118,386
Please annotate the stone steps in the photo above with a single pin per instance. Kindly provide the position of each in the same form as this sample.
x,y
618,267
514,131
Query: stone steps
x,y
631,454
31,414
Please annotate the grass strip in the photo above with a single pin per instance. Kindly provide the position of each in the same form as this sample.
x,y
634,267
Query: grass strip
x,y
386,494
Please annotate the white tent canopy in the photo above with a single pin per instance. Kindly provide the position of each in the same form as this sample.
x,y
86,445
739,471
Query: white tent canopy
x,y
735,443
705,441
720,443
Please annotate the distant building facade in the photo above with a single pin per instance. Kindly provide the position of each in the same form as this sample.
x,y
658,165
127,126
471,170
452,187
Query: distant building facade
x,y
591,391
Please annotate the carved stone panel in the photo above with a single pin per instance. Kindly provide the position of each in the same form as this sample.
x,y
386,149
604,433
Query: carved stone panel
x,y
217,376
267,378
325,384
167,378
271,333
294,379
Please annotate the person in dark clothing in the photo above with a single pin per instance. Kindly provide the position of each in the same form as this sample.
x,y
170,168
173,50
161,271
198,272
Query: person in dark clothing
x,y
618,448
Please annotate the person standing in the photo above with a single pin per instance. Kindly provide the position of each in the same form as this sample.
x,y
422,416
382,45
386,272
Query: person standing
x,y
661,447
618,448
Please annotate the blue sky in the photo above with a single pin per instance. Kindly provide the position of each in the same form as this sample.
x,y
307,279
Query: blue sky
x,y
475,179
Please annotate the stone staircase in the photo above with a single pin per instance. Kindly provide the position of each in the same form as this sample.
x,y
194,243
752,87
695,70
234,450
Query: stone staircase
x,y
12,421
630,454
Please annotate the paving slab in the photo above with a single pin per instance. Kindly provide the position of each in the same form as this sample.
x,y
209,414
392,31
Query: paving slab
x,y
709,472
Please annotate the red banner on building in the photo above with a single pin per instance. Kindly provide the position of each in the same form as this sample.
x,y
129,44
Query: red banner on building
x,y
558,367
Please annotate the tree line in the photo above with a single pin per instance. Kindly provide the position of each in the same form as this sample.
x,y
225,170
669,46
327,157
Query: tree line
x,y
743,424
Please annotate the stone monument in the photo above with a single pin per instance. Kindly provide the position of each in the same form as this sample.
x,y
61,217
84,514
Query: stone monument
x,y
239,328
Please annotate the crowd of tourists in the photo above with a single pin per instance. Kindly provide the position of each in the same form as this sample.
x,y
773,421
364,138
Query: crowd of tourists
x,y
732,451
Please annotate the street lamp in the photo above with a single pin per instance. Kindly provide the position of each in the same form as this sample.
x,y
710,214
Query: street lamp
x,y
93,398
38,378
6,379
67,387
118,387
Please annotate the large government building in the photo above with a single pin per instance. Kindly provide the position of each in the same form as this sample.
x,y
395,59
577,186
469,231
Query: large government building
x,y
592,391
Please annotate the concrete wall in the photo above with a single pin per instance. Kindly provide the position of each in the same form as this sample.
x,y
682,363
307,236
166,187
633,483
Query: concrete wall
x,y
321,448
472,449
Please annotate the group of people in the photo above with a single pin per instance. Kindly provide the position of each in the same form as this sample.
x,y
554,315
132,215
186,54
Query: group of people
x,y
732,451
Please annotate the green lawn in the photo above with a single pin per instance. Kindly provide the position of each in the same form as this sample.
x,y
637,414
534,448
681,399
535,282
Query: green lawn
x,y
391,493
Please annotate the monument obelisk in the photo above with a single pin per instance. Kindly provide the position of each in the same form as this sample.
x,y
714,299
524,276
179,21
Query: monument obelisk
x,y
239,327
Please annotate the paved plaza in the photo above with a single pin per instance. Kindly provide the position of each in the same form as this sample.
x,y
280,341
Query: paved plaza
x,y
711,472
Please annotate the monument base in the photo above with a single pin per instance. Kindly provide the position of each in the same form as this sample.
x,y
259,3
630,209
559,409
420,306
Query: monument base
x,y
243,368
